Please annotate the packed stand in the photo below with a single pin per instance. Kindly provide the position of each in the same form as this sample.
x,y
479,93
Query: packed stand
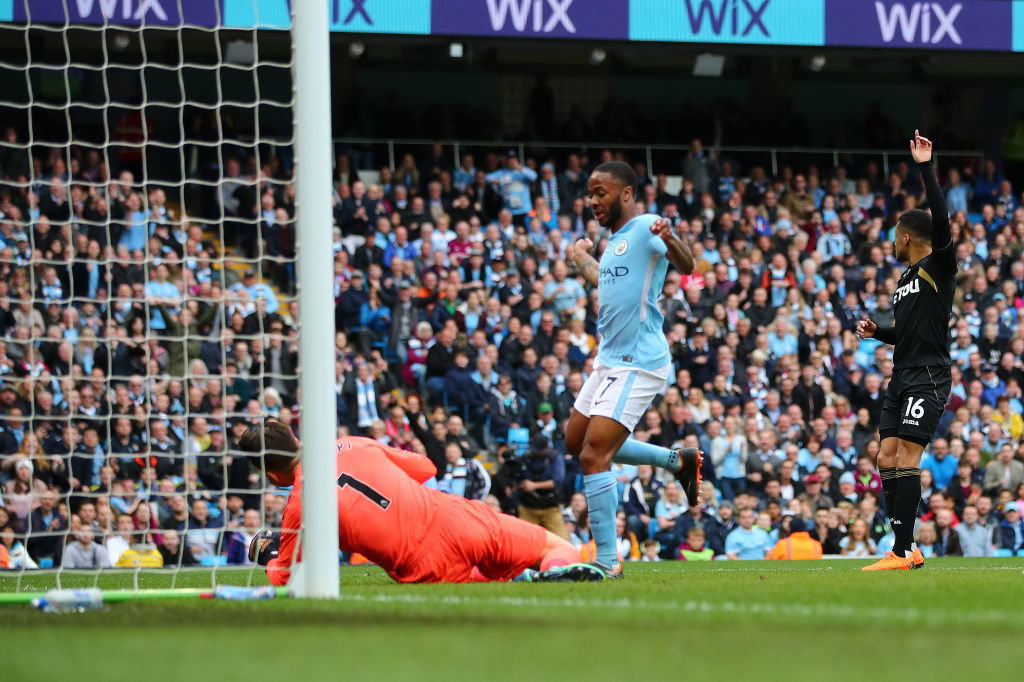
x,y
134,356
457,282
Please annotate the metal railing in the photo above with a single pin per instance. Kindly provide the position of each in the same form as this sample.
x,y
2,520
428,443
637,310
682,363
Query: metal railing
x,y
771,156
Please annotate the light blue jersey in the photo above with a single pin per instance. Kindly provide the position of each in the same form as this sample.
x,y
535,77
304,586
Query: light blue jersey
x,y
632,274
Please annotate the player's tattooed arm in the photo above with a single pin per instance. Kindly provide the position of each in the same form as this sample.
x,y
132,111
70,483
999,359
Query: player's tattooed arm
x,y
679,255
678,252
586,263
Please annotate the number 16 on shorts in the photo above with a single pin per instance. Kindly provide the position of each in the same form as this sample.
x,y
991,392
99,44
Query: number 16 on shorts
x,y
914,411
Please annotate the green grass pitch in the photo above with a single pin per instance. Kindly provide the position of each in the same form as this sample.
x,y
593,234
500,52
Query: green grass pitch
x,y
956,619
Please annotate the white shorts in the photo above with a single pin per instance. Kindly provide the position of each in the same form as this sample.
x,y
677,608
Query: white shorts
x,y
621,393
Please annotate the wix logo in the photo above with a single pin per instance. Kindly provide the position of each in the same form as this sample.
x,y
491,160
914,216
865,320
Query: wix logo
x,y
918,22
546,15
357,9
734,17
108,8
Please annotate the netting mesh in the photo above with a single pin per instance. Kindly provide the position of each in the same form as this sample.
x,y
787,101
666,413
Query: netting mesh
x,y
147,254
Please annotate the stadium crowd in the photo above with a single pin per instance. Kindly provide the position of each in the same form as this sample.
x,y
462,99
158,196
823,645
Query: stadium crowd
x,y
134,356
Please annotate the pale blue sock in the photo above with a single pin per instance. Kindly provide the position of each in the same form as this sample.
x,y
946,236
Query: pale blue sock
x,y
634,451
602,503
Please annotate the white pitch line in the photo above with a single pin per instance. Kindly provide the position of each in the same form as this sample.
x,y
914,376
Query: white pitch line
x,y
763,567
693,606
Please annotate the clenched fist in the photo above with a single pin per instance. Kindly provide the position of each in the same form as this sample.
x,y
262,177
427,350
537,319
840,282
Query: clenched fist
x,y
582,247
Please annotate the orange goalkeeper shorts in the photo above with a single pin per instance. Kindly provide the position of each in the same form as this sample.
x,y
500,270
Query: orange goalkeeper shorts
x,y
468,534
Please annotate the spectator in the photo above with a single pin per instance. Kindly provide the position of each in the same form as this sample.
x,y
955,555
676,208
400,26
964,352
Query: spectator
x,y
47,526
866,477
119,542
513,184
204,533
1010,533
826,531
940,463
961,489
729,456
858,542
85,552
947,541
566,295
1012,422
539,484
459,387
798,545
698,167
174,552
926,539
694,548
975,539
627,545
440,360
746,542
363,392
642,497
237,543
813,493
17,555
669,508
1003,473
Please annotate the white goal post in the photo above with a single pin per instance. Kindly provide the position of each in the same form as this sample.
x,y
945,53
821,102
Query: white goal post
x,y
166,279
312,82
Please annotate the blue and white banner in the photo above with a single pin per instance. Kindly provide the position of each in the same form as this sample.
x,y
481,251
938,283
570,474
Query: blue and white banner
x,y
996,25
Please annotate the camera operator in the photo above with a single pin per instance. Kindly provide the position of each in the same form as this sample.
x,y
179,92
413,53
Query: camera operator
x,y
540,480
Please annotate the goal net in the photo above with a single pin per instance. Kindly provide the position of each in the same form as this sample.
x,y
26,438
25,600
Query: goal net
x,y
147,288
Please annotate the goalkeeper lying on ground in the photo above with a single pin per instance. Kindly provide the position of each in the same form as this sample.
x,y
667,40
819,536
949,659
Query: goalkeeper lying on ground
x,y
416,534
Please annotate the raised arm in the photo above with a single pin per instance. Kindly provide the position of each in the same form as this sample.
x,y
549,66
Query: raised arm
x,y
584,261
678,253
921,150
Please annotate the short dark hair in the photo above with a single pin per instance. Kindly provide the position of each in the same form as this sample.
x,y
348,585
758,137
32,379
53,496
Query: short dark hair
x,y
917,223
625,175
274,442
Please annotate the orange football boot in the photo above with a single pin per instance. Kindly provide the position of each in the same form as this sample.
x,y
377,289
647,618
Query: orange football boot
x,y
891,562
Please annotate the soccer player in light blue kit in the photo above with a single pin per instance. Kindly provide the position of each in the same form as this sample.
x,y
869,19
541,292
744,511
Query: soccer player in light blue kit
x,y
633,361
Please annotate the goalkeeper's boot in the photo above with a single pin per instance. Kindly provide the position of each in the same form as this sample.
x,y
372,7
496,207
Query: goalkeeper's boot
x,y
689,473
527,576
916,558
573,573
891,562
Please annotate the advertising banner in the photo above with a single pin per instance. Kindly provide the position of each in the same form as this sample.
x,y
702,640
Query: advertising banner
x,y
344,16
116,12
996,25
765,22
606,20
932,24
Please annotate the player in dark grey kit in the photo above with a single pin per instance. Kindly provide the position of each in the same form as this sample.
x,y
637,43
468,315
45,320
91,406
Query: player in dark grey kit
x,y
921,380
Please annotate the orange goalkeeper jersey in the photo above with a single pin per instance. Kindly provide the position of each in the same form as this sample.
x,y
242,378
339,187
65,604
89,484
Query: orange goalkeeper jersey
x,y
384,511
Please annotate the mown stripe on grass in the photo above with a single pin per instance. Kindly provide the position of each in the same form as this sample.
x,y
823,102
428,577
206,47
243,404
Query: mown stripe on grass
x,y
802,567
911,615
